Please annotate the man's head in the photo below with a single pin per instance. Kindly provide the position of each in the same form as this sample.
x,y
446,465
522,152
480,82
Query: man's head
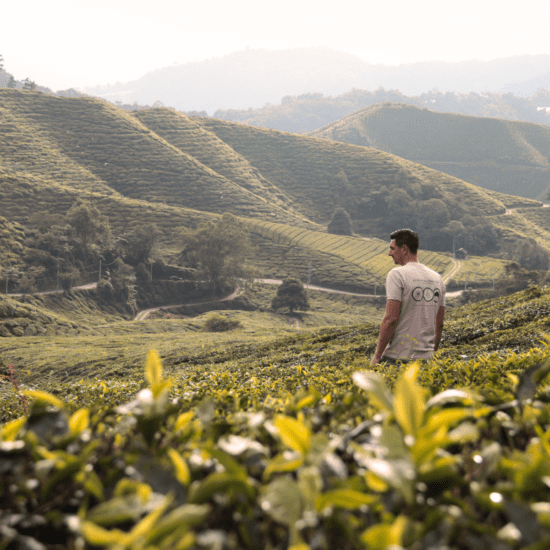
x,y
404,246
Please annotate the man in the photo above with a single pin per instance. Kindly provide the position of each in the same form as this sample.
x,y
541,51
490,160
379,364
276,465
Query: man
x,y
415,305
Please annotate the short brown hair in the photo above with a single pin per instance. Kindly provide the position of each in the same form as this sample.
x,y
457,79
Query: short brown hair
x,y
408,237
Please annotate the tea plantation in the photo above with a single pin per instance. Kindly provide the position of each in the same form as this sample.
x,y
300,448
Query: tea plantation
x,y
161,432
279,438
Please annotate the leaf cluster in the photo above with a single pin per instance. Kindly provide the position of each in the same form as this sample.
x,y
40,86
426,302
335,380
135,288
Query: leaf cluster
x,y
297,456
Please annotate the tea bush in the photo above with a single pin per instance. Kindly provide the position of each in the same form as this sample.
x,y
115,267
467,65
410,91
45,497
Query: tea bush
x,y
219,323
441,455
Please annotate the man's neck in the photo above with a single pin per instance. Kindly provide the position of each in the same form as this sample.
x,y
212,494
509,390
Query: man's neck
x,y
411,260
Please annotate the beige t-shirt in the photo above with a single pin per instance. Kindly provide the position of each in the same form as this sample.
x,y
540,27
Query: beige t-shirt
x,y
421,292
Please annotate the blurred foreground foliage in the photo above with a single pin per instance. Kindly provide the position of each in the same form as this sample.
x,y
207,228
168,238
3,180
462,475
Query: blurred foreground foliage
x,y
445,454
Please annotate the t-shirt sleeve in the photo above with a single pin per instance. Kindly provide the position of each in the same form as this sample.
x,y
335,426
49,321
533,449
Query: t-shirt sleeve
x,y
394,286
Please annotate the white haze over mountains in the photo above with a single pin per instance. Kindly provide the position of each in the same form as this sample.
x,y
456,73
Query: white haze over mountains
x,y
82,43
252,78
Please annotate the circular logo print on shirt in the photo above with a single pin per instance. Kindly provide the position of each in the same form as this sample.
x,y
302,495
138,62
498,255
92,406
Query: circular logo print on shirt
x,y
436,294
417,294
428,294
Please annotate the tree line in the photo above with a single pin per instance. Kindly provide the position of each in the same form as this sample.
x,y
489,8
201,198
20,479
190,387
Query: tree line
x,y
58,247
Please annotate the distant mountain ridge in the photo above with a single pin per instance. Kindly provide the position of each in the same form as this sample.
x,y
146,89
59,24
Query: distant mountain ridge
x,y
506,156
251,78
309,112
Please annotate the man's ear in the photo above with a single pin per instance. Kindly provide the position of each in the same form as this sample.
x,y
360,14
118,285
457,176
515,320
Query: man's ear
x,y
405,249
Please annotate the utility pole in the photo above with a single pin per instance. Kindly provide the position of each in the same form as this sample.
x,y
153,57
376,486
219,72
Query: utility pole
x,y
308,274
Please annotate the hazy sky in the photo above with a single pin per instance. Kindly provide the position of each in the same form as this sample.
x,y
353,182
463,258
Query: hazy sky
x,y
77,43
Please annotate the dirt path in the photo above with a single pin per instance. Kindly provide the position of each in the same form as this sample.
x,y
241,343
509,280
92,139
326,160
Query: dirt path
x,y
457,266
145,313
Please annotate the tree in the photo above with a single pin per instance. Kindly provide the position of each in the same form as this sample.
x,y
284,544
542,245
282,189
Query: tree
x,y
340,223
218,251
341,187
481,238
455,231
434,215
1,62
402,210
528,254
291,294
29,84
12,83
139,244
374,205
88,225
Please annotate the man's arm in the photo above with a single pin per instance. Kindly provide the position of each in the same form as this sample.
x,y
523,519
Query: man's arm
x,y
439,326
387,328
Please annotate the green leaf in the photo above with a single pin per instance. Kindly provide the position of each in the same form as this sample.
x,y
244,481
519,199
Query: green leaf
x,y
452,396
294,433
122,509
399,474
145,525
344,498
219,482
281,464
79,421
97,536
409,403
9,431
43,397
383,537
183,475
375,386
182,518
446,418
282,500
530,379
153,369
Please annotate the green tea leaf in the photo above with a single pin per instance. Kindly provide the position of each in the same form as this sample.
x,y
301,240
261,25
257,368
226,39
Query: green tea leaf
x,y
282,500
294,433
344,498
409,403
375,386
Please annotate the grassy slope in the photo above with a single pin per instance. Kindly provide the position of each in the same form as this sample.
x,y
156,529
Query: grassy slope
x,y
305,168
505,156
89,145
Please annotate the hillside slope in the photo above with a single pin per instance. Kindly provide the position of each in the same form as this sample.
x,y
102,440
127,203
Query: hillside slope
x,y
89,145
506,156
163,167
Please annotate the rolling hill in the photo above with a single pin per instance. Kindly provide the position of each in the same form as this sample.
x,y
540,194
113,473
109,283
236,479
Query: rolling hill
x,y
501,155
162,166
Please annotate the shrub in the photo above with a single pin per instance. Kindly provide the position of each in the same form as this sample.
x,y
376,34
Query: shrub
x,y
27,285
68,279
219,323
291,294
105,289
340,224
